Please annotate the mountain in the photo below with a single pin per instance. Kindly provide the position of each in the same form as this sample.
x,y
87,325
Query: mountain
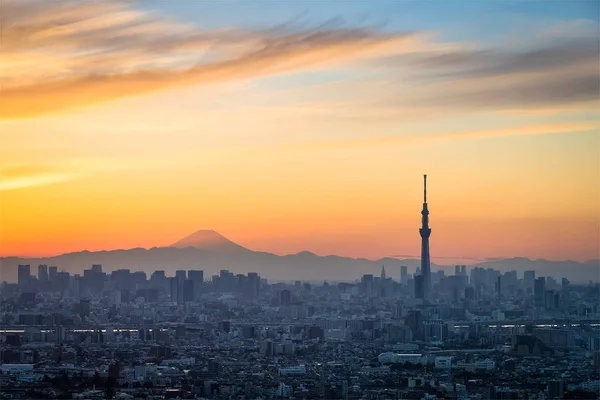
x,y
209,240
211,252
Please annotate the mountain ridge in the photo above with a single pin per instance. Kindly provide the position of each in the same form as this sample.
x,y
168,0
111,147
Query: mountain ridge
x,y
211,252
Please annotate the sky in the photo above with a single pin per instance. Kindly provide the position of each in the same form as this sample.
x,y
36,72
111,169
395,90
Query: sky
x,y
302,125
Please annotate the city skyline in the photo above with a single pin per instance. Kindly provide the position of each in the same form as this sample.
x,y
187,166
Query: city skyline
x,y
301,128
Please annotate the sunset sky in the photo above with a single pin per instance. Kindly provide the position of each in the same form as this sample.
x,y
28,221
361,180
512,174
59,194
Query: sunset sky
x,y
302,125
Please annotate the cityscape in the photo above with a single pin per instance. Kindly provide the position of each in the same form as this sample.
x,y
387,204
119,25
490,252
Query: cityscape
x,y
466,333
300,199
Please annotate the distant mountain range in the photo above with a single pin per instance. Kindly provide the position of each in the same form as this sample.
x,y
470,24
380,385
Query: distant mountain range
x,y
209,251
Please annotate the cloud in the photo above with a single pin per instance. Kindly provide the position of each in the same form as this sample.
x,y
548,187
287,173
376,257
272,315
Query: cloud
x,y
547,72
28,175
525,130
58,56
98,52
34,175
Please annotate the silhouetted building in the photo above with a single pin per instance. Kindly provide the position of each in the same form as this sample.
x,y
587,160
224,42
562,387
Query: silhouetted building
x,y
24,275
425,232
97,268
470,293
253,285
403,274
181,274
174,289
188,290
42,273
52,272
285,297
197,276
414,321
539,291
367,284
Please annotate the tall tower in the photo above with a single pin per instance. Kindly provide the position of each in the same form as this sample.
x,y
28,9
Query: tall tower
x,y
425,232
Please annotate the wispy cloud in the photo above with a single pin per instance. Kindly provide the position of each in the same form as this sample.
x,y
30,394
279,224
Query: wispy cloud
x,y
34,175
98,52
424,138
62,55
29,175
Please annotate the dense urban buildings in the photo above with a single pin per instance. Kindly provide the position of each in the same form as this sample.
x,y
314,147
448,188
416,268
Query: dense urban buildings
x,y
462,332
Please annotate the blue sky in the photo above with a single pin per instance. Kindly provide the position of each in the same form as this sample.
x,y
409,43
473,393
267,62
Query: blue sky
x,y
459,19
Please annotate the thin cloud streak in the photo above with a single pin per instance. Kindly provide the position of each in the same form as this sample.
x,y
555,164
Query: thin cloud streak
x,y
123,52
26,176
37,180
436,138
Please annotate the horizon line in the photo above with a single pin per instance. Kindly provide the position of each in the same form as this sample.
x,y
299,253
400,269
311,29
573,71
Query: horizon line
x,y
397,257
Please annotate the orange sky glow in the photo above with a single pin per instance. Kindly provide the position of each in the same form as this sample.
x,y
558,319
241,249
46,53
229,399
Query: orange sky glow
x,y
122,128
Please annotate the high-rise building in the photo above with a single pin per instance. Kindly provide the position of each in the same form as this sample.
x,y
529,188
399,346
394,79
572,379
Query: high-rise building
x,y
463,270
529,276
367,284
254,285
539,291
42,272
174,289
52,272
197,276
97,268
285,297
425,232
24,273
403,274
188,290
414,321
470,293
181,275
158,275
457,270
499,286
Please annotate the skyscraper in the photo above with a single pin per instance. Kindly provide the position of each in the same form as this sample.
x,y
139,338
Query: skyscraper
x,y
42,272
425,232
404,274
52,272
188,290
24,272
539,291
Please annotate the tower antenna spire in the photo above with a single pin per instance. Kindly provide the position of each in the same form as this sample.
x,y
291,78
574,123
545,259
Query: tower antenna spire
x,y
425,188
